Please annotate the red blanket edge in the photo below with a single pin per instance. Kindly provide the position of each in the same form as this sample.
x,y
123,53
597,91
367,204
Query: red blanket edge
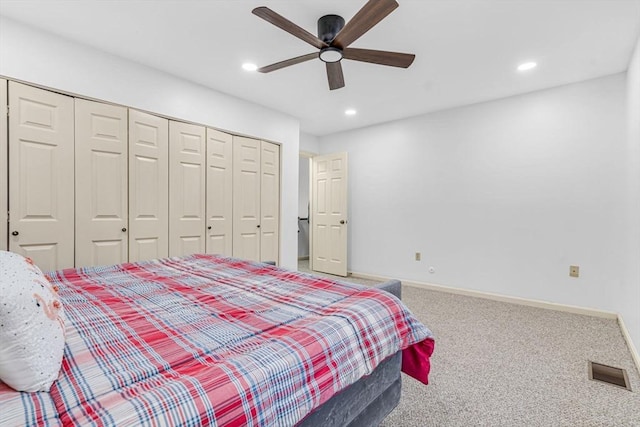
x,y
415,360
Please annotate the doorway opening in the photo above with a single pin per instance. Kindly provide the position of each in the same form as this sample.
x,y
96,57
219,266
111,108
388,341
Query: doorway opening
x,y
304,199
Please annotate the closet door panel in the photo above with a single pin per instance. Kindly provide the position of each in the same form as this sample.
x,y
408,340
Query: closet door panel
x,y
101,183
246,198
219,193
4,173
187,163
41,181
269,202
148,186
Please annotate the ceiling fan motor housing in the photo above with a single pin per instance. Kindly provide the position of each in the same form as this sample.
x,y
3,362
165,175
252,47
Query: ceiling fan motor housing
x,y
329,26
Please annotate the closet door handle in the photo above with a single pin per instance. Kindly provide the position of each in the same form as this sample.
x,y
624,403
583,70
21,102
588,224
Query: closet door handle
x,y
124,229
342,221
258,225
209,228
15,233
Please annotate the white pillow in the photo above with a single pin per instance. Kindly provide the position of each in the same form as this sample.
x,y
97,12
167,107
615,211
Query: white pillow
x,y
31,326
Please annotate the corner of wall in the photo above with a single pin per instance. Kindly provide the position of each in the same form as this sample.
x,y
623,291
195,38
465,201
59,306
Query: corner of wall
x,y
631,311
632,348
309,143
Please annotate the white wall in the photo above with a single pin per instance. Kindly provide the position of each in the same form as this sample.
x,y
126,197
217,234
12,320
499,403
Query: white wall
x,y
41,58
630,308
309,143
499,197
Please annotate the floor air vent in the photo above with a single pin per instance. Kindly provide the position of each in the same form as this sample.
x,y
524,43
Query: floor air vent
x,y
609,375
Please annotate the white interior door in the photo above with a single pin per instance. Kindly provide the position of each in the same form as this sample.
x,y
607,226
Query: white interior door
x,y
269,202
186,189
219,193
101,183
4,172
148,186
246,198
41,176
329,214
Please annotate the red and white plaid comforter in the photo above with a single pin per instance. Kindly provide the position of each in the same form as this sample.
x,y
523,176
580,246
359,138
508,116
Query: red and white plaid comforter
x,y
206,340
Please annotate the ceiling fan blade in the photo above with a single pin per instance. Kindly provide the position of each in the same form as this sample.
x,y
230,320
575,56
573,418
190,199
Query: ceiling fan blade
x,y
288,62
395,59
335,76
370,14
291,28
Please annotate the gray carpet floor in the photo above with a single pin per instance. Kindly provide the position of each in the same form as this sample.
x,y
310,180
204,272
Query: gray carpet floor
x,y
501,364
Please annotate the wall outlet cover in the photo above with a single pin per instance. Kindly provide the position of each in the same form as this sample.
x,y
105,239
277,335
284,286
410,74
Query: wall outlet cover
x,y
574,271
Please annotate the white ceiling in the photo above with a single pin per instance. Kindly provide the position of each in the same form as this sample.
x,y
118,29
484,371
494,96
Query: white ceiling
x,y
466,50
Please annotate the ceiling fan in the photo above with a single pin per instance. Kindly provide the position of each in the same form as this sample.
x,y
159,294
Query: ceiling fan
x,y
334,37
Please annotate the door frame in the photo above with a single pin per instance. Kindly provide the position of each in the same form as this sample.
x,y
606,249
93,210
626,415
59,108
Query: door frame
x,y
4,166
309,155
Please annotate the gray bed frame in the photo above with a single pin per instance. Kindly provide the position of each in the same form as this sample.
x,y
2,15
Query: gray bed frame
x,y
369,400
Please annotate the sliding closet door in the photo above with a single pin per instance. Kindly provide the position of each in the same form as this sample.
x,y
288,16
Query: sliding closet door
x,y
269,202
101,184
41,176
219,193
186,189
148,186
4,173
246,198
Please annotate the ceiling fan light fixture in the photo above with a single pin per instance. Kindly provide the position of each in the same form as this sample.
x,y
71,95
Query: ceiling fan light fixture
x,y
330,54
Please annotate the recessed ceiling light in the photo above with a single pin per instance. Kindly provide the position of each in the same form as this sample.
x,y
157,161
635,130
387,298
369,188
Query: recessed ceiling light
x,y
247,66
350,112
527,66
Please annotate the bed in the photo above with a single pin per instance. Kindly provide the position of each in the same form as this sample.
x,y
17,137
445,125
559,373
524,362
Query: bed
x,y
209,340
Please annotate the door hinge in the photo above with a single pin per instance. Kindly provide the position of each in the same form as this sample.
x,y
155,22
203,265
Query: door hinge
x,y
7,111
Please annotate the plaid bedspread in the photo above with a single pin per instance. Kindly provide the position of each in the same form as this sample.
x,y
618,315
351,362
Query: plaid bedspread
x,y
206,340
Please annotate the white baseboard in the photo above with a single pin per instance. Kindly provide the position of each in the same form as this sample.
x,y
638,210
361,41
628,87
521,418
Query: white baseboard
x,y
521,301
503,298
632,348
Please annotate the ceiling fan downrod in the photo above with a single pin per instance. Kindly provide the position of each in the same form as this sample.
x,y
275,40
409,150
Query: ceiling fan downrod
x,y
329,26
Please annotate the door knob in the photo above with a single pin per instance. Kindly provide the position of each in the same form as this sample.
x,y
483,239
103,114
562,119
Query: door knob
x,y
209,228
342,221
124,229
15,233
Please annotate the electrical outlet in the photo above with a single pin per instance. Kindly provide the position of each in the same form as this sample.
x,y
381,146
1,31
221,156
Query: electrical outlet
x,y
574,271
418,256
